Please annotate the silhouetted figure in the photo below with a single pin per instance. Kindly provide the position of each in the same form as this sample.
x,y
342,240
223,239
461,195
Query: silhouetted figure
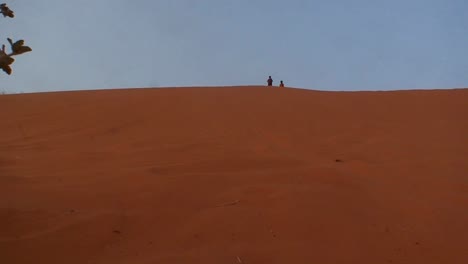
x,y
270,81
281,84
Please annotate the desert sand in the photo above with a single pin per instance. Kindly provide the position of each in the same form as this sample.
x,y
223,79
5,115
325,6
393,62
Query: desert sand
x,y
234,175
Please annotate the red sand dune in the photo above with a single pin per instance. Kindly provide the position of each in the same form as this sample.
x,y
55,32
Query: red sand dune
x,y
234,175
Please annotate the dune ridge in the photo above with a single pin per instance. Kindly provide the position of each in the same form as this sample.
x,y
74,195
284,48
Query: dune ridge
x,y
234,174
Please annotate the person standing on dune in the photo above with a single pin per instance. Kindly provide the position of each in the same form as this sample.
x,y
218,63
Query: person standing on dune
x,y
281,84
270,81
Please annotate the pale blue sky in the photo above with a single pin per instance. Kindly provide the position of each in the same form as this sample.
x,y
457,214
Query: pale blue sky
x,y
316,44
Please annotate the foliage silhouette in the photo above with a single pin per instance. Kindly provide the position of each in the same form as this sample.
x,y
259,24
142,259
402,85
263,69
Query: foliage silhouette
x,y
17,47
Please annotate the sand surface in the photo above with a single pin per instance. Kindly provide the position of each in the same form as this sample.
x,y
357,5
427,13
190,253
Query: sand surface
x,y
234,175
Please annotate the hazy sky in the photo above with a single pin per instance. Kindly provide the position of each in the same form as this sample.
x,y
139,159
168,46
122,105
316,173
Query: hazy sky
x,y
316,44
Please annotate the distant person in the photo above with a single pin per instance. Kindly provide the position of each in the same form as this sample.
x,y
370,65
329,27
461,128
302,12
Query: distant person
x,y
270,81
281,84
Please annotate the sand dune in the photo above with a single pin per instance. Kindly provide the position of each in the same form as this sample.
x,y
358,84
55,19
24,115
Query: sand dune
x,y
234,175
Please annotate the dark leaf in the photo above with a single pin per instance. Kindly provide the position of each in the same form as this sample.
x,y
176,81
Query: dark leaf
x,y
17,47
7,69
6,11
5,62
24,49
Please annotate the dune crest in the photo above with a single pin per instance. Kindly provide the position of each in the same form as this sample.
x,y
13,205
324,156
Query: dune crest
x,y
237,174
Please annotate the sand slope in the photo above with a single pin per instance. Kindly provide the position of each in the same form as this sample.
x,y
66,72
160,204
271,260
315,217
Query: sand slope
x,y
230,175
